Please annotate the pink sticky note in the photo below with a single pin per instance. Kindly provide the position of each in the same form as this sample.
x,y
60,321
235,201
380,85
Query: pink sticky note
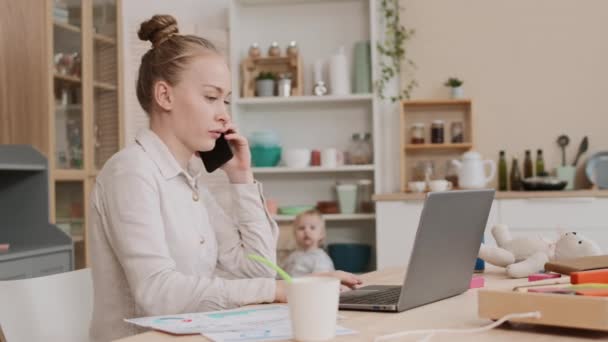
x,y
477,282
543,276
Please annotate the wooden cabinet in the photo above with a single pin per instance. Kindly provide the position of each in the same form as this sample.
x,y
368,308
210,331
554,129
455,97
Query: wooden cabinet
x,y
61,58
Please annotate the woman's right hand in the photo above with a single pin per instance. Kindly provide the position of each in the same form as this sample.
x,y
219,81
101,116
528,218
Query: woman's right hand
x,y
348,281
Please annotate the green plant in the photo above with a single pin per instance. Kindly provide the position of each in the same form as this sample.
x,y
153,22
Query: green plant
x,y
392,48
266,76
453,82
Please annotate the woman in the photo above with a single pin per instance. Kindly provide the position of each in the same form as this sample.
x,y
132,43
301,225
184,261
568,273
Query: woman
x,y
159,243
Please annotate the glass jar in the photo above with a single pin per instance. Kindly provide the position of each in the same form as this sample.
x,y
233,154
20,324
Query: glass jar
x,y
360,149
284,85
365,190
417,133
424,171
437,132
451,173
457,132
254,51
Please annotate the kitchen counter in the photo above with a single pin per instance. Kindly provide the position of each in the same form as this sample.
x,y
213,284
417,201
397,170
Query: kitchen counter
x,y
405,196
527,213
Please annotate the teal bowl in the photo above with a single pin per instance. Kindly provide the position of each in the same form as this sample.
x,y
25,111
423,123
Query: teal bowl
x,y
350,257
265,156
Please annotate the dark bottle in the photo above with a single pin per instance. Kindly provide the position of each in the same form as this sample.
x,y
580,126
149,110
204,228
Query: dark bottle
x,y
515,176
540,163
502,172
528,166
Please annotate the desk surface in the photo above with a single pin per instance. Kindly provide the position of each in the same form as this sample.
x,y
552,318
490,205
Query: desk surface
x,y
455,312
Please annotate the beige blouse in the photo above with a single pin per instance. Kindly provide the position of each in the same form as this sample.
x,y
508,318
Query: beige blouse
x,y
161,244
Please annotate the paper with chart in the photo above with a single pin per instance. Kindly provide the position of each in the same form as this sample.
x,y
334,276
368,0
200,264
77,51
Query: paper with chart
x,y
259,323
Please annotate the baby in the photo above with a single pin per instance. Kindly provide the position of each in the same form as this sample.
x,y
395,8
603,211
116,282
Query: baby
x,y
309,257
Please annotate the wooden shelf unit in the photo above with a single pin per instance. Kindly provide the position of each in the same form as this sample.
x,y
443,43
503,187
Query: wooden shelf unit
x,y
68,27
252,67
96,107
437,147
425,111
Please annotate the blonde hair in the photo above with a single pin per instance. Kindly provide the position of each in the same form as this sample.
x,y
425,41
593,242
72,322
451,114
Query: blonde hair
x,y
311,212
168,57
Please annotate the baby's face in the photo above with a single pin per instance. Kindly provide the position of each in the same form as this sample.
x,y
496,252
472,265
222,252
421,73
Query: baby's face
x,y
309,232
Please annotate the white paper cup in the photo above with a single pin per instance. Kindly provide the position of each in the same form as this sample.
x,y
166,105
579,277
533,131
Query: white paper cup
x,y
313,307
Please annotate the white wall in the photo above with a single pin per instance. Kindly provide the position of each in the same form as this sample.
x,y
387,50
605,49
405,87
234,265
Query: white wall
x,y
207,18
534,69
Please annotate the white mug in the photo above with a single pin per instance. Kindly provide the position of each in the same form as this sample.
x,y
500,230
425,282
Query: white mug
x,y
313,307
440,185
416,186
329,157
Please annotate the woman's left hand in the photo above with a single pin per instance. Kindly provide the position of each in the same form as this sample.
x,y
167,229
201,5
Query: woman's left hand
x,y
238,168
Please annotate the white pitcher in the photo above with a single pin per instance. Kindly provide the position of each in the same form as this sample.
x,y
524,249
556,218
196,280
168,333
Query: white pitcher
x,y
471,172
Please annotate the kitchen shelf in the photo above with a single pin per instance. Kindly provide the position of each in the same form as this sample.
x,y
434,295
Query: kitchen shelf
x,y
67,27
77,238
437,103
437,147
72,107
104,86
72,79
105,39
332,217
313,169
275,100
69,175
426,112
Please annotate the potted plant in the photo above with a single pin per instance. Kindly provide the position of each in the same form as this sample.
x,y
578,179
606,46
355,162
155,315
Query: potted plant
x,y
264,84
456,87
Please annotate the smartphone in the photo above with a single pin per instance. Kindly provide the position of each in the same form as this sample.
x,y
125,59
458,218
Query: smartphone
x,y
217,157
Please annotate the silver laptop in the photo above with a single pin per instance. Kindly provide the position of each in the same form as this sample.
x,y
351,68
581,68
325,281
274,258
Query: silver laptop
x,y
443,257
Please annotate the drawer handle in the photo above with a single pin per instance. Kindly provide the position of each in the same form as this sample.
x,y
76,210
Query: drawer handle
x,y
55,269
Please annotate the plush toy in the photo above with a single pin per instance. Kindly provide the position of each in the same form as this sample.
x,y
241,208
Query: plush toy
x,y
523,256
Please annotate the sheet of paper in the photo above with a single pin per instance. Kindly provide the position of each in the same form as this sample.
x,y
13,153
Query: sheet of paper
x,y
278,331
264,322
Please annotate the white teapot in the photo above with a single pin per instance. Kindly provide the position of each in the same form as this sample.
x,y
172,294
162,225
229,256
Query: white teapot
x,y
471,172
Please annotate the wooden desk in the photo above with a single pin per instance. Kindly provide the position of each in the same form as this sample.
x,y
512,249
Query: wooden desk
x,y
455,312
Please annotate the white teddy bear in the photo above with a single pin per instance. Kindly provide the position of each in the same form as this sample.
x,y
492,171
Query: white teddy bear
x,y
525,256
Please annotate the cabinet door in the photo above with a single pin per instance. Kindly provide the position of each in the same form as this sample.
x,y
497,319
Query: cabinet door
x,y
397,224
106,118
550,217
51,264
396,227
71,201
16,269
67,84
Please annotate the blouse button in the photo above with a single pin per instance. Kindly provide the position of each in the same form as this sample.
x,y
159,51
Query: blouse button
x,y
195,197
202,241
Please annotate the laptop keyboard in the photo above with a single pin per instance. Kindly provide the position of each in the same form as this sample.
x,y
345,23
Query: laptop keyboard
x,y
384,297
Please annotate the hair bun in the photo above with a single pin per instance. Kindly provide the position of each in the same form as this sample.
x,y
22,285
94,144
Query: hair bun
x,y
158,29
